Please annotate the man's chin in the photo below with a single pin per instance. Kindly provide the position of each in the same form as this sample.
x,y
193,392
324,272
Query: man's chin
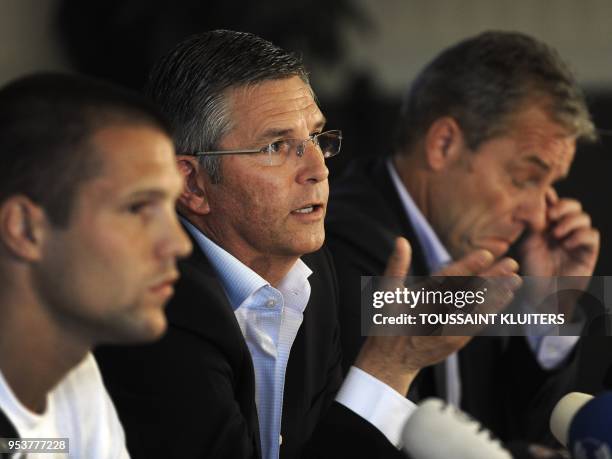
x,y
140,329
308,244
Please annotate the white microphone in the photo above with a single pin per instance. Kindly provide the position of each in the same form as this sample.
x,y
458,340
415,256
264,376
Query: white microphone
x,y
437,430
564,412
584,424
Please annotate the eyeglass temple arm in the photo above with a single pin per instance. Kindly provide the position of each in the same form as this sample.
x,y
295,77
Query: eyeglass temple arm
x,y
222,153
242,152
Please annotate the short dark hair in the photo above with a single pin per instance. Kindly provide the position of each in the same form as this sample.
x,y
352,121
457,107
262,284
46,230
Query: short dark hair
x,y
47,121
483,80
189,85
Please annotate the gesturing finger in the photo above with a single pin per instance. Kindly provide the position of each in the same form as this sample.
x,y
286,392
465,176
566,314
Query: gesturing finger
x,y
398,263
472,264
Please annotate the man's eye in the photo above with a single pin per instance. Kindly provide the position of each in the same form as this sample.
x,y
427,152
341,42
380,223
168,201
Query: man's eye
x,y
138,207
278,147
525,183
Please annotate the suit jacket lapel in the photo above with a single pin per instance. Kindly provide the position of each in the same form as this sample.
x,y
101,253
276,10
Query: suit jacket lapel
x,y
382,181
200,306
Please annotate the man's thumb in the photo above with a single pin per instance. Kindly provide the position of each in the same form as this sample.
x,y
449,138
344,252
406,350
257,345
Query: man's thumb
x,y
398,263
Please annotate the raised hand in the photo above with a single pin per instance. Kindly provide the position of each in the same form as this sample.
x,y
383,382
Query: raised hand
x,y
567,248
396,360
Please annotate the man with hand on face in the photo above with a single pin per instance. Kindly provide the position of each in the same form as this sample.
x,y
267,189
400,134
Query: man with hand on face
x,y
250,366
88,247
485,131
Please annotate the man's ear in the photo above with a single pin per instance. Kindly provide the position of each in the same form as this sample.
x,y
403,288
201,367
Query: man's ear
x,y
193,199
444,143
22,227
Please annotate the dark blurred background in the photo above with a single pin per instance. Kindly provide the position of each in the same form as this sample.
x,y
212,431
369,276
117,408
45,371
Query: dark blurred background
x,y
361,54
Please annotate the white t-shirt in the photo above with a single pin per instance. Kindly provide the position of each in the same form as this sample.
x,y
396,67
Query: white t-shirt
x,y
79,408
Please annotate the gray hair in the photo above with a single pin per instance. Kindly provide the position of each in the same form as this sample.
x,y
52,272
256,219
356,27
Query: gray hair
x,y
483,80
190,85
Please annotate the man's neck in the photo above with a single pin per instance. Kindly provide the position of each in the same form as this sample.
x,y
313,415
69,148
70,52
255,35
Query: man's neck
x,y
271,267
34,353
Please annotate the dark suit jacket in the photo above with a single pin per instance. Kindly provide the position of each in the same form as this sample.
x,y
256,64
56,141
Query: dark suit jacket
x,y
7,430
502,383
192,394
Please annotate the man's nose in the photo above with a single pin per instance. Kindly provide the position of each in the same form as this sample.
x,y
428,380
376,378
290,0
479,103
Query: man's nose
x,y
311,165
176,244
532,212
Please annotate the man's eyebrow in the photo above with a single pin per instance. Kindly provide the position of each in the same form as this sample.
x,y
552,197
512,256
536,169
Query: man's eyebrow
x,y
149,193
275,133
533,159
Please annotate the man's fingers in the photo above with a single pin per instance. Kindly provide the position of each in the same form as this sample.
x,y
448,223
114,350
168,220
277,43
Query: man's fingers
x,y
587,238
502,267
398,263
571,222
564,207
500,292
472,264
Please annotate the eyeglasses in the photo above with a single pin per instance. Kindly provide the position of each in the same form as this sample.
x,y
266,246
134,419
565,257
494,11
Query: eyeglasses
x,y
276,153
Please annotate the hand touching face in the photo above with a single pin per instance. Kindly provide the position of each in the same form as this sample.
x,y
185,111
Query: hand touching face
x,y
568,245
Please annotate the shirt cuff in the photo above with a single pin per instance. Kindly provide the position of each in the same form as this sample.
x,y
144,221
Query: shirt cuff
x,y
550,348
380,405
551,351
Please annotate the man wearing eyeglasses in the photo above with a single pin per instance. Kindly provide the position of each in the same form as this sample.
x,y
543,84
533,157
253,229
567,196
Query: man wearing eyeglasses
x,y
250,366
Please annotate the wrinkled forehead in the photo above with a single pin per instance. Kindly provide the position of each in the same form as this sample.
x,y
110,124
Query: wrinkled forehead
x,y
286,104
541,140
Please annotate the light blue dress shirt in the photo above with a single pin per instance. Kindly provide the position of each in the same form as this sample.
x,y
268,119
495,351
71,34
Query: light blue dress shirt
x,y
550,351
269,319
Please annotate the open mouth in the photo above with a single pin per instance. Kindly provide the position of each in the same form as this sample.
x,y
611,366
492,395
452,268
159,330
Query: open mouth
x,y
309,209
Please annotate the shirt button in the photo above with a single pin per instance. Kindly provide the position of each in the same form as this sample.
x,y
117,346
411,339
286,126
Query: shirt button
x,y
280,439
270,303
